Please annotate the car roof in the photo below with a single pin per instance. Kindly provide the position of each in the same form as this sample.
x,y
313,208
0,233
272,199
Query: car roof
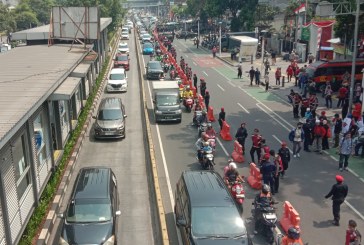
x,y
123,43
206,189
93,182
111,103
117,71
120,54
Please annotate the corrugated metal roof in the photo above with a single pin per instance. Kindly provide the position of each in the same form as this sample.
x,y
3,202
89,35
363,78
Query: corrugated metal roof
x,y
81,70
66,89
28,76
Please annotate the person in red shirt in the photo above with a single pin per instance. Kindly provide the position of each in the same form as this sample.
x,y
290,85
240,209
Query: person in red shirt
x,y
353,236
356,111
341,96
289,72
256,147
278,75
319,133
313,104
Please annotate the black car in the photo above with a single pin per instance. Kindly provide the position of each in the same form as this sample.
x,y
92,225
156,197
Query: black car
x,y
206,213
154,70
92,213
185,34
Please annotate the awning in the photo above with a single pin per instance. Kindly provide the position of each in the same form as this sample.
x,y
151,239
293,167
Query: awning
x,y
66,89
81,70
334,40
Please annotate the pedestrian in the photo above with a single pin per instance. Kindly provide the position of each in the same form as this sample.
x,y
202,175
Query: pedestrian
x,y
256,146
296,104
296,72
322,116
241,135
328,93
257,77
267,66
285,155
202,86
279,168
338,193
345,108
308,133
197,42
214,50
313,104
327,135
311,57
357,92
251,75
195,80
338,125
266,81
240,70
278,75
207,99
304,106
344,150
318,133
356,111
359,144
221,117
296,136
341,96
353,236
268,171
274,57
289,72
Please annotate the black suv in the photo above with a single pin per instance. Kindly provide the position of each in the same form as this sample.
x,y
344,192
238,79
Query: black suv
x,y
92,213
206,212
154,70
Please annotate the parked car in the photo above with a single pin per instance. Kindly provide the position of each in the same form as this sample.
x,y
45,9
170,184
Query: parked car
x,y
148,48
154,70
123,48
110,119
211,216
93,210
122,61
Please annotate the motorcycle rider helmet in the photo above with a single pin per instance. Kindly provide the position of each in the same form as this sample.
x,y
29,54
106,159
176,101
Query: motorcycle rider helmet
x,y
209,126
206,143
284,143
265,189
232,165
204,136
202,79
293,233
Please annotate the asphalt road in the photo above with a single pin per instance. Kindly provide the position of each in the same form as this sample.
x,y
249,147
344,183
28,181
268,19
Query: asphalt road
x,y
127,158
308,179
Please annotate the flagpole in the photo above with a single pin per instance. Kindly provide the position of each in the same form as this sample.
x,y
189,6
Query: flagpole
x,y
306,12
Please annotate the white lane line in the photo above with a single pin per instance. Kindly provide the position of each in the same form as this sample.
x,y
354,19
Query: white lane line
x,y
283,120
221,87
194,63
273,117
354,209
361,179
222,147
231,83
242,107
186,55
280,142
334,158
205,73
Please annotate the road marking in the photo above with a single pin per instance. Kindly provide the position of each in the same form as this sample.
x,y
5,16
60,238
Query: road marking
x,y
205,73
194,63
231,83
354,209
273,117
334,158
280,142
186,55
283,120
220,87
222,147
242,107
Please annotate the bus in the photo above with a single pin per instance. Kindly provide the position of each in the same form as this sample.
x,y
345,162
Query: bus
x,y
332,71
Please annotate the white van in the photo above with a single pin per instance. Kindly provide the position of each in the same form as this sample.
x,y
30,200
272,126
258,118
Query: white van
x,y
117,81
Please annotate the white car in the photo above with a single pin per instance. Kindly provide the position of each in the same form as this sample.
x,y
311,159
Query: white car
x,y
125,35
146,38
123,48
117,81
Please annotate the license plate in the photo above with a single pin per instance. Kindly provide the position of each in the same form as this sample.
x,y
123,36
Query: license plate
x,y
240,196
109,133
168,117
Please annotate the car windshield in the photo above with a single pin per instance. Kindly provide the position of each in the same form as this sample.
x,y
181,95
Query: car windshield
x,y
123,46
146,36
118,76
122,58
125,33
217,221
148,45
154,65
167,100
110,114
89,211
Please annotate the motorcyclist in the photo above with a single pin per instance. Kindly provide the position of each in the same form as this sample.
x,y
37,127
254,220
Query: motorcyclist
x,y
197,113
200,144
202,118
268,171
210,131
241,135
187,94
293,237
263,199
202,86
232,175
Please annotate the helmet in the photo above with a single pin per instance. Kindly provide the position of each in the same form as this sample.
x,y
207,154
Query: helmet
x,y
293,233
209,125
206,143
188,87
266,156
232,165
203,134
202,79
265,189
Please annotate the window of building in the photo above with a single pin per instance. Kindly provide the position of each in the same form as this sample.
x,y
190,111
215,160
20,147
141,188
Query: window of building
x,y
21,162
39,138
64,120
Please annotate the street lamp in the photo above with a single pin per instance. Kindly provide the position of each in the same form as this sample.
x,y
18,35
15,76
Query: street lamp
x,y
220,38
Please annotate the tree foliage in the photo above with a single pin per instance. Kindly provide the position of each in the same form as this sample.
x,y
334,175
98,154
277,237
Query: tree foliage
x,y
7,20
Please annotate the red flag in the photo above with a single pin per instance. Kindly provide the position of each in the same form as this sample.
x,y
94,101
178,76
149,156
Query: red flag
x,y
300,9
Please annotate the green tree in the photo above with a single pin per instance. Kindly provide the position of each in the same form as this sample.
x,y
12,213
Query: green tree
x,y
7,20
41,8
24,16
265,16
245,21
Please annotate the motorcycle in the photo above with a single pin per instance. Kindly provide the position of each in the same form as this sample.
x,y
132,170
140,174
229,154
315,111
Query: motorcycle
x,y
238,193
165,68
266,215
207,162
295,242
202,128
188,103
172,74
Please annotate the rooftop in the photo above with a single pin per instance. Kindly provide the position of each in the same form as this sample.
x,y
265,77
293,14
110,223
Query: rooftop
x,y
28,76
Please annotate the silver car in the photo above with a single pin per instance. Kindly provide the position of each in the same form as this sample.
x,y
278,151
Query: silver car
x,y
110,119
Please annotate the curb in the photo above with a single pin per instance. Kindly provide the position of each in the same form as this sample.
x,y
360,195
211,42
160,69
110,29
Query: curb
x,y
44,234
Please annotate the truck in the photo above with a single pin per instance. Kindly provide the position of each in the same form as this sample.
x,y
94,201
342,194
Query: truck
x,y
248,46
166,99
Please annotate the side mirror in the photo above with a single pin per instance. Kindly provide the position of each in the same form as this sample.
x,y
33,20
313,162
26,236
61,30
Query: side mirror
x,y
181,222
94,117
125,116
118,213
60,215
